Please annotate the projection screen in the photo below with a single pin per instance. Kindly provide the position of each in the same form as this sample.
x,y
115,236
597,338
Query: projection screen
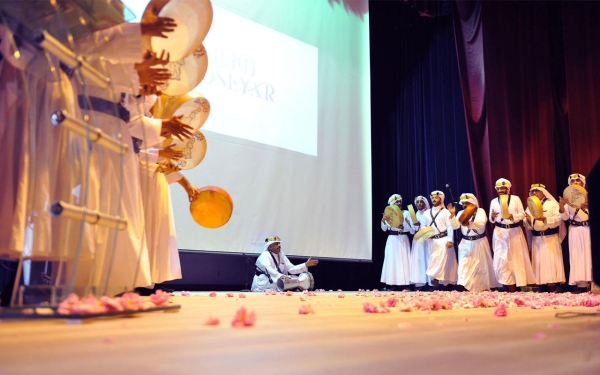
x,y
289,130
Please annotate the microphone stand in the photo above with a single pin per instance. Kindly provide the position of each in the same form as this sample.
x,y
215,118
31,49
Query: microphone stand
x,y
248,262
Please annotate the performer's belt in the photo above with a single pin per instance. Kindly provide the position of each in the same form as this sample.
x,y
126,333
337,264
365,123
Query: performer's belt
x,y
394,233
443,234
259,272
473,238
547,232
506,226
108,108
579,223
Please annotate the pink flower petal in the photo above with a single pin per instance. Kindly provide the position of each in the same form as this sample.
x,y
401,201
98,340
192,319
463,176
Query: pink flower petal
x,y
341,295
306,309
212,321
243,319
230,295
540,336
501,310
212,294
242,295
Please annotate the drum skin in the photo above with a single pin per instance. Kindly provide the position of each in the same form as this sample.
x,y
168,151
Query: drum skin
x,y
535,207
395,214
576,195
194,150
413,215
424,234
467,214
211,207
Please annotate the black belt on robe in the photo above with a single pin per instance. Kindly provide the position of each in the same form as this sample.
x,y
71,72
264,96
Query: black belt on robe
x,y
547,232
506,226
394,233
473,238
443,234
579,223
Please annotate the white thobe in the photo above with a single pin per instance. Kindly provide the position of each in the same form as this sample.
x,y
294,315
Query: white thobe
x,y
511,256
475,267
265,262
442,262
396,264
419,256
580,247
546,252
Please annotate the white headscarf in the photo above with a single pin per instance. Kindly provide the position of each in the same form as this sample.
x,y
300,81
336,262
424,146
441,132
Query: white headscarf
x,y
575,176
271,240
422,198
440,193
394,198
503,182
468,197
542,188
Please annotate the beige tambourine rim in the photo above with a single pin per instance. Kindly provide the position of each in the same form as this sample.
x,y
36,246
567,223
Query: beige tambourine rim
x,y
399,215
567,193
535,207
424,234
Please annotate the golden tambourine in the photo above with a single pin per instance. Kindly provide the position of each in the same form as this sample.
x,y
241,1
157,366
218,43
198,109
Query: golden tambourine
x,y
211,207
504,206
413,215
576,195
535,207
424,234
467,214
194,150
395,215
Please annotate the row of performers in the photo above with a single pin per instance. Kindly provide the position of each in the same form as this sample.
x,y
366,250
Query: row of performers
x,y
62,166
433,262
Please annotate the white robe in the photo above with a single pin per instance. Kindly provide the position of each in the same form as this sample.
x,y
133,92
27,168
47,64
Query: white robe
x,y
265,262
419,256
396,264
511,259
546,252
475,267
442,262
580,247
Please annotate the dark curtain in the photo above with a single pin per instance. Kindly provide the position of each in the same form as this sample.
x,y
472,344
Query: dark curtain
x,y
581,25
419,138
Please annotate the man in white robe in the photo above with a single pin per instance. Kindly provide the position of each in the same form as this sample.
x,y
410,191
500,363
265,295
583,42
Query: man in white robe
x,y
548,232
580,246
272,264
443,268
396,264
512,265
475,268
420,251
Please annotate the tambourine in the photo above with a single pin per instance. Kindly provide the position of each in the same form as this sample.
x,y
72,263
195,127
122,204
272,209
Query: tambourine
x,y
193,18
194,107
413,215
535,207
504,206
576,195
211,207
424,234
186,74
396,217
194,150
467,214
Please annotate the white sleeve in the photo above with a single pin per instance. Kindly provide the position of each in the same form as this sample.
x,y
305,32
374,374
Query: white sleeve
x,y
294,269
454,221
119,44
174,177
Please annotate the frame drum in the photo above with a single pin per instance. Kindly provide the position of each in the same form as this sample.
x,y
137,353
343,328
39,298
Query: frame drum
x,y
467,214
395,214
535,207
194,107
576,195
186,74
425,234
212,207
194,150
193,18
413,215
504,206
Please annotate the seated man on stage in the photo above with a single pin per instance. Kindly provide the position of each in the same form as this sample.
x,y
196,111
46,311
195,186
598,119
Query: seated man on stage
x,y
273,265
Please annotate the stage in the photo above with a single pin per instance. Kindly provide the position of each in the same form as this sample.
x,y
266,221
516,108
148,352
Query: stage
x,y
338,338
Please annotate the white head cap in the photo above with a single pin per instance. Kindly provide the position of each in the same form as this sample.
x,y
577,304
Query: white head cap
x,y
468,197
503,182
395,198
574,176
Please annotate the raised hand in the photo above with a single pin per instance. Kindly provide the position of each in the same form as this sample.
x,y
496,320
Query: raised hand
x,y
153,25
452,209
167,167
310,262
169,153
174,127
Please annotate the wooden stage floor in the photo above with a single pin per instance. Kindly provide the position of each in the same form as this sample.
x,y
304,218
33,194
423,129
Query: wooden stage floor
x,y
340,338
